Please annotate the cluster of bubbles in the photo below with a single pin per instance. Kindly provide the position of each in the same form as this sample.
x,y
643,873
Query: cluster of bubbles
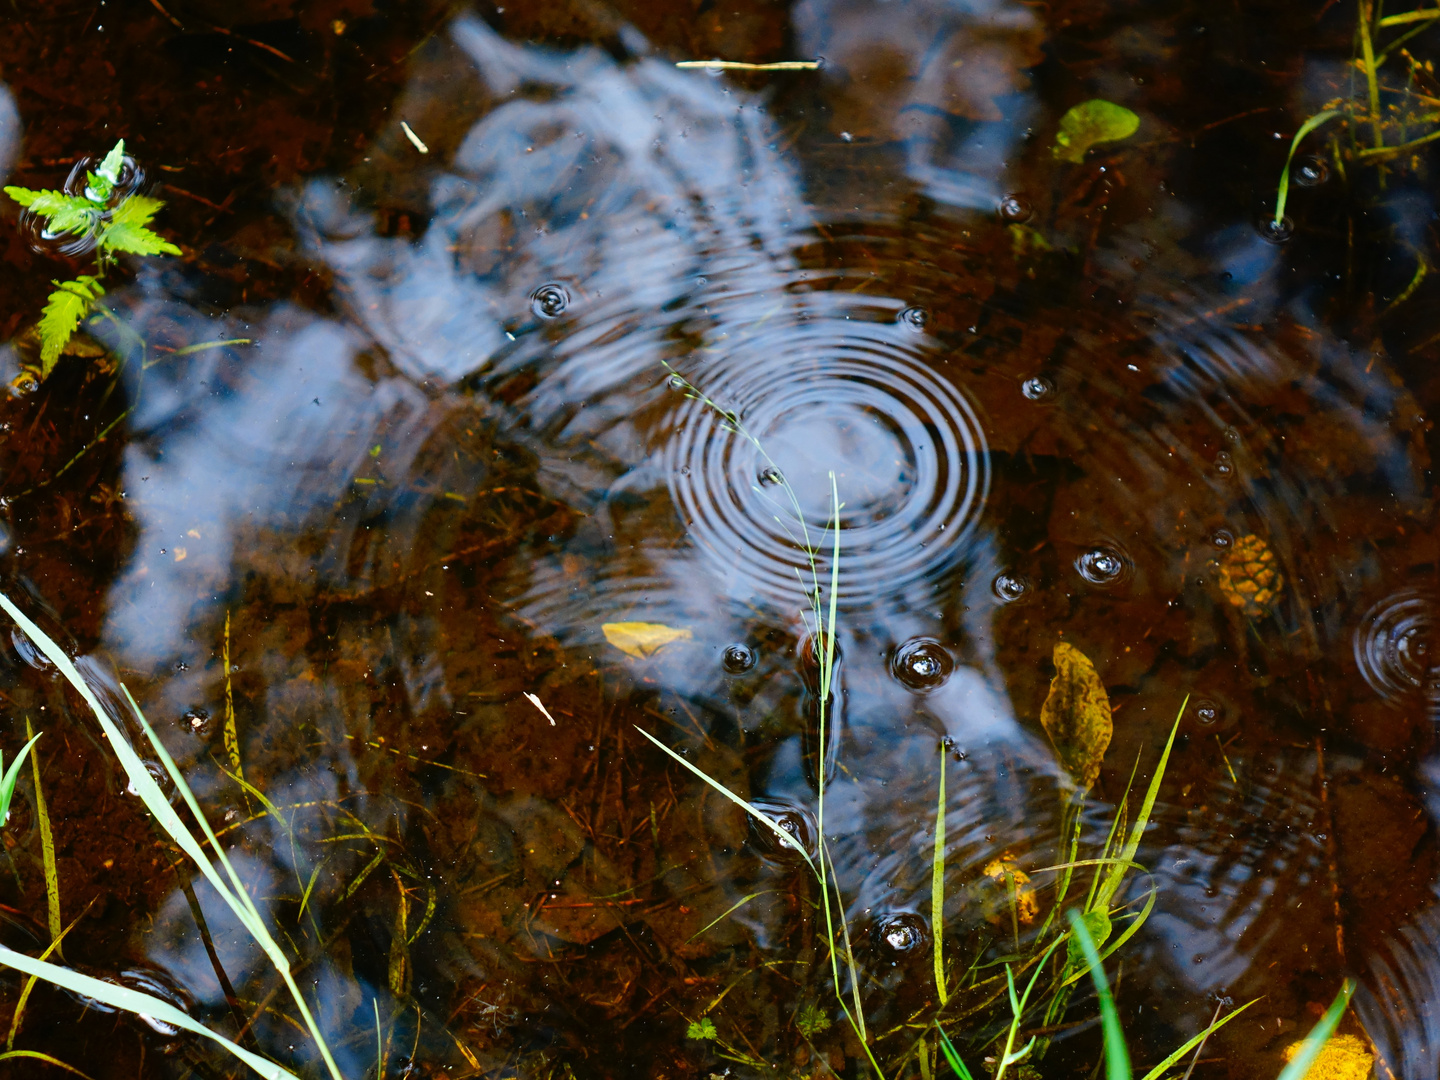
x,y
921,663
1392,646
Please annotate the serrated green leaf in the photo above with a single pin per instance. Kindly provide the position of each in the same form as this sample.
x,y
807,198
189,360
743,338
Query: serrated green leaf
x,y
63,311
136,210
135,239
63,213
704,1028
110,167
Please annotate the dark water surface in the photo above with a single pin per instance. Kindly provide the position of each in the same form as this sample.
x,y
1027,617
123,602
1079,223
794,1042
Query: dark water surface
x,y
1057,398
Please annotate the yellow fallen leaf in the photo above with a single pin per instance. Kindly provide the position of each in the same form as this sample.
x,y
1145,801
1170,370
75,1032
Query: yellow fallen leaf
x,y
642,639
1018,891
1076,715
1344,1057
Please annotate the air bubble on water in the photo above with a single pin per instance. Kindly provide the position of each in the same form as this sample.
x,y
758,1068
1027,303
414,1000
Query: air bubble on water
x,y
770,477
914,318
921,664
683,470
1224,464
1275,232
1015,209
676,382
902,933
1102,566
737,659
1206,711
1037,387
550,300
1010,586
1310,171
1223,539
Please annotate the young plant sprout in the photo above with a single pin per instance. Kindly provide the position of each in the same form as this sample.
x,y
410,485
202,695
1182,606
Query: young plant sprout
x,y
11,777
104,217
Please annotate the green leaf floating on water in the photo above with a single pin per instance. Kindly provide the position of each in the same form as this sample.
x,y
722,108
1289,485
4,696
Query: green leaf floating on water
x,y
1092,122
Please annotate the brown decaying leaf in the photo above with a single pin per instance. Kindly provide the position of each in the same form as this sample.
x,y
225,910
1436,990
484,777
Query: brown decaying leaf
x,y
1076,715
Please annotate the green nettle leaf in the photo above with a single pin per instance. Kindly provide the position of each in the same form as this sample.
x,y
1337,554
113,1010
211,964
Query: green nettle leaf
x,y
136,210
135,239
110,167
63,213
68,304
704,1028
1092,122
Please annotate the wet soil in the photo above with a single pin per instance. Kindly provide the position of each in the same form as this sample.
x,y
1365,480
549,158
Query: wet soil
x,y
1089,402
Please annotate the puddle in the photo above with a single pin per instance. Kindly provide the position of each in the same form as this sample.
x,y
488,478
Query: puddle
x,y
594,340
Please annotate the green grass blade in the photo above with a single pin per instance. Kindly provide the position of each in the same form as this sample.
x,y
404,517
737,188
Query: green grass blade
x,y
47,849
727,912
1319,1034
937,890
159,806
1159,1070
1116,876
759,815
11,778
133,1001
952,1056
1282,192
1117,1055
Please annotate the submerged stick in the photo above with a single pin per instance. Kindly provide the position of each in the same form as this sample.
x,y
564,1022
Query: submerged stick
x,y
740,65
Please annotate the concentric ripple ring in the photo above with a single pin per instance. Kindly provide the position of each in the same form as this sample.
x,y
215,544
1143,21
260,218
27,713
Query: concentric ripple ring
x,y
857,397
1393,645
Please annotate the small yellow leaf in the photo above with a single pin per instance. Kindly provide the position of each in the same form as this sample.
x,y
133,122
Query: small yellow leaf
x,y
1344,1057
642,639
1018,894
1076,715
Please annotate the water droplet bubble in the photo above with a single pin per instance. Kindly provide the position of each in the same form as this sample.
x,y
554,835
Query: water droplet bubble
x,y
1206,711
921,664
1010,586
1103,566
795,821
1037,388
737,659
1224,464
1223,539
1015,209
1275,232
1310,171
1393,644
914,318
677,382
550,300
901,934
770,477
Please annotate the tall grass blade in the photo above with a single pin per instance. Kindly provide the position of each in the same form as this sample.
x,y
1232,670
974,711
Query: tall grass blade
x,y
47,850
36,1055
133,1001
1319,1034
1283,191
1116,876
54,946
12,777
937,890
1117,1055
144,785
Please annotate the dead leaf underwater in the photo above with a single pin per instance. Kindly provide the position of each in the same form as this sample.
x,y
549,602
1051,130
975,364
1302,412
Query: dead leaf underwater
x,y
642,639
1076,715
